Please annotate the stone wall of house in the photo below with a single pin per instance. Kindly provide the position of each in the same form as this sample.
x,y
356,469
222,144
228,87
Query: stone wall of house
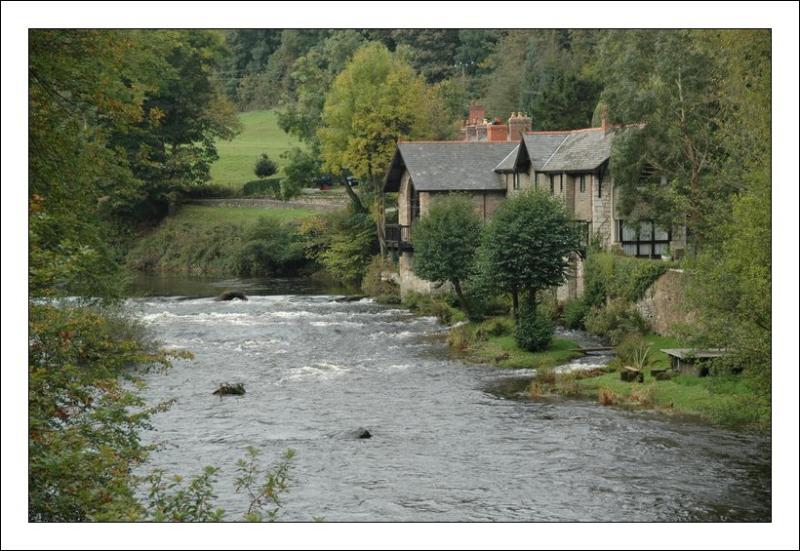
x,y
602,210
663,304
484,202
410,282
573,287
569,193
583,200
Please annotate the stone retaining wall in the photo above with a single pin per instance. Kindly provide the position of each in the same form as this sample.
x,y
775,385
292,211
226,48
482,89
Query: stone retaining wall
x,y
313,204
663,304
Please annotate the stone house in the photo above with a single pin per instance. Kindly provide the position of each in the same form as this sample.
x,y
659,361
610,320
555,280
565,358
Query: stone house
x,y
491,164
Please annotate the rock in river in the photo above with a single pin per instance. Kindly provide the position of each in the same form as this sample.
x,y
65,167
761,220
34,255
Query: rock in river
x,y
230,295
230,390
363,433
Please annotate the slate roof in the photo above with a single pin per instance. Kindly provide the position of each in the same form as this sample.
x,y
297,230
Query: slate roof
x,y
477,166
449,166
507,164
575,150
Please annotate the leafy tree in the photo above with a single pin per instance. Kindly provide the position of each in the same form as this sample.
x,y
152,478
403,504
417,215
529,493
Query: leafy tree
x,y
554,89
249,51
433,51
732,286
265,167
666,81
302,169
446,241
174,146
527,244
311,77
84,415
374,102
502,83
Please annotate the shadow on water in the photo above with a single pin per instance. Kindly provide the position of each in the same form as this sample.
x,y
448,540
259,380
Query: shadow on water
x,y
195,286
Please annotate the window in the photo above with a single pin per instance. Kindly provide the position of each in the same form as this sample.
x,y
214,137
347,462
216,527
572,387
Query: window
x,y
561,183
515,180
583,183
414,205
552,184
645,241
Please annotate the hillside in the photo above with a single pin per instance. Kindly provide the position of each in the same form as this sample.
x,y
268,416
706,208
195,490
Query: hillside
x,y
260,134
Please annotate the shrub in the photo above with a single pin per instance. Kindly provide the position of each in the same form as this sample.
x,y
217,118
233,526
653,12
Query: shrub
x,y
548,305
301,169
375,285
607,397
495,327
533,332
574,313
342,241
642,395
265,166
428,305
614,320
459,338
267,186
630,348
616,276
271,248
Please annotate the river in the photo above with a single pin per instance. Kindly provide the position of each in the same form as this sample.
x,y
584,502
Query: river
x,y
450,441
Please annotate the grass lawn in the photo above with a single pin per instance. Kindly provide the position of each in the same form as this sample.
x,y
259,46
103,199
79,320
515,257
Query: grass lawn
x,y
491,341
726,399
202,215
260,134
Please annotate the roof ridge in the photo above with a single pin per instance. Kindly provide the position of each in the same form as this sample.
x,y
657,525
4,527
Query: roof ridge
x,y
459,142
553,154
566,131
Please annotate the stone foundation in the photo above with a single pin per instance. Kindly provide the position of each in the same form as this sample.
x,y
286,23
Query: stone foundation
x,y
410,282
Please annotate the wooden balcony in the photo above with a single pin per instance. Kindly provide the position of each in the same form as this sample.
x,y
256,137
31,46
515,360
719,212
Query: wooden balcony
x,y
398,237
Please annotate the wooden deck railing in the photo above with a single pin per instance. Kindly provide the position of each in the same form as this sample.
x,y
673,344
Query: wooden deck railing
x,y
398,236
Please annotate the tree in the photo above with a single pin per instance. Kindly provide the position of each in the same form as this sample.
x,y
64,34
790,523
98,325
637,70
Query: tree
x,y
265,167
666,81
374,102
502,84
732,285
301,169
554,87
172,149
526,246
433,51
310,78
446,241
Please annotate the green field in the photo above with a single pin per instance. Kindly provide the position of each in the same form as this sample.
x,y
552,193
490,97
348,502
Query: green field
x,y
260,134
200,215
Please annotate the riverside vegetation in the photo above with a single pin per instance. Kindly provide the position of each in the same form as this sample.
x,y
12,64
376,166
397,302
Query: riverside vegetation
x,y
126,124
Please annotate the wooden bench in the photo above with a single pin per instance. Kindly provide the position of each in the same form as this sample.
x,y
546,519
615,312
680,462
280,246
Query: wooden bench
x,y
690,360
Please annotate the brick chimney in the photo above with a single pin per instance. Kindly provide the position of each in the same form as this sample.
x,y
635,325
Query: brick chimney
x,y
518,124
476,113
604,119
497,132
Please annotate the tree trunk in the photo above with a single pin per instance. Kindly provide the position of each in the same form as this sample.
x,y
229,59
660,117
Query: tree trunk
x,y
379,213
354,198
461,298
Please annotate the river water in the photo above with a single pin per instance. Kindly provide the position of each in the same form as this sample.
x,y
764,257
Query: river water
x,y
450,441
